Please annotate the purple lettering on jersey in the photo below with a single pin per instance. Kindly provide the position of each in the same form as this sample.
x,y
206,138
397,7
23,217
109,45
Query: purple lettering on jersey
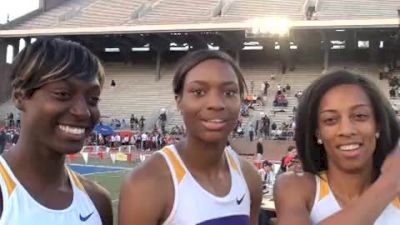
x,y
228,220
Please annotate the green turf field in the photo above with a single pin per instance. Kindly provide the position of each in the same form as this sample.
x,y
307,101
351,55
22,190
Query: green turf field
x,y
111,181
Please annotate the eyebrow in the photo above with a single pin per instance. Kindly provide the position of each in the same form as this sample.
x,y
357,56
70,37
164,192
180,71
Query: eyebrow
x,y
225,83
353,107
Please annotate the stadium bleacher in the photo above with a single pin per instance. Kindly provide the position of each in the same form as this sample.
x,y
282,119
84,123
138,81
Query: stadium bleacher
x,y
353,9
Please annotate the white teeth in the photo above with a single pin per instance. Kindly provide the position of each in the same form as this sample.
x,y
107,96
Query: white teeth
x,y
215,121
72,130
349,147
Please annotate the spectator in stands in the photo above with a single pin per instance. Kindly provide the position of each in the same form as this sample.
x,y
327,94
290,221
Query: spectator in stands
x,y
294,109
144,138
113,83
18,120
123,124
11,119
117,139
295,166
260,149
56,85
392,92
265,122
2,140
244,110
274,126
349,154
141,123
287,87
298,94
132,121
266,86
256,127
208,87
265,173
251,132
163,120
280,99
268,176
15,137
287,159
117,124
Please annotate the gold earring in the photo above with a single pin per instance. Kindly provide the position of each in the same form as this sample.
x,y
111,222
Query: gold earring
x,y
319,141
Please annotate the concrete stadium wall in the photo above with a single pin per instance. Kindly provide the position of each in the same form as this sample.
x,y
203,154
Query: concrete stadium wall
x,y
273,149
46,5
5,83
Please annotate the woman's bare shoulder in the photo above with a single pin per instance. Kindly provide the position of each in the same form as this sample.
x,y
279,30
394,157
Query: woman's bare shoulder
x,y
293,186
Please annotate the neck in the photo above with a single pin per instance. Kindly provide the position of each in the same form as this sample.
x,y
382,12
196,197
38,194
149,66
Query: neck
x,y
32,160
201,156
349,186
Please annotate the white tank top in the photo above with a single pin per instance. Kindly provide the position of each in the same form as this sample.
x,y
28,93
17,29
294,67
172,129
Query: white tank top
x,y
19,207
325,205
193,205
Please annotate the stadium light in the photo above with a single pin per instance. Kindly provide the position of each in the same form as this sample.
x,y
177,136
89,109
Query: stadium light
x,y
213,47
274,25
245,48
252,45
111,50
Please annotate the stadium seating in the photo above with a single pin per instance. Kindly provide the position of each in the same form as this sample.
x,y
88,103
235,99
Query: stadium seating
x,y
183,11
89,13
355,9
248,9
136,92
55,16
99,14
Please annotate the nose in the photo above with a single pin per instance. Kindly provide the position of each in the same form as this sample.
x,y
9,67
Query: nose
x,y
215,101
80,108
346,127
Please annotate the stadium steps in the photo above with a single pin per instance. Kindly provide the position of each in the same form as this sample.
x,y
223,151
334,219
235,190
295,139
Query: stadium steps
x,y
183,11
356,9
248,9
53,17
6,108
136,92
105,13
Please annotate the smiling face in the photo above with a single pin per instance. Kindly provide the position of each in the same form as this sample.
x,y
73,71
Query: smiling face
x,y
347,128
210,101
61,114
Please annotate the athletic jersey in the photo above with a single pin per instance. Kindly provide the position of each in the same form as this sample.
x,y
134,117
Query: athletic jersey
x,y
193,205
325,205
19,207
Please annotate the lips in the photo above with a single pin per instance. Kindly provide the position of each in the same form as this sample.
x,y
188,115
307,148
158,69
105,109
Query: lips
x,y
214,124
351,150
72,132
349,147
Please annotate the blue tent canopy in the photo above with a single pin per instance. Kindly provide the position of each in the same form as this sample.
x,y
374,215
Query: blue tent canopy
x,y
103,130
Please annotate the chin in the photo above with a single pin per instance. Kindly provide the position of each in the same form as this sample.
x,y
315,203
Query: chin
x,y
214,137
354,169
70,148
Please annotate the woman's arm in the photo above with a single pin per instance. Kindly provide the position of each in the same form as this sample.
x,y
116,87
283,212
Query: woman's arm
x,y
254,184
293,195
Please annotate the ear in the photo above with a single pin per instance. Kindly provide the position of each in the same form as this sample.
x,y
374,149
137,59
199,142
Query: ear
x,y
18,99
178,100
